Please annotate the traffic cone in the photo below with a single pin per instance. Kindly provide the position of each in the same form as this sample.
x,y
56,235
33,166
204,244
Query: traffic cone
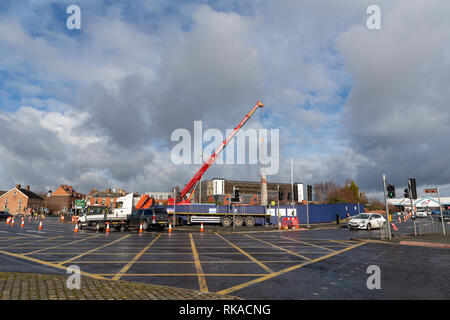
x,y
201,227
107,227
279,225
76,228
8,220
394,227
170,227
22,224
12,222
140,228
40,225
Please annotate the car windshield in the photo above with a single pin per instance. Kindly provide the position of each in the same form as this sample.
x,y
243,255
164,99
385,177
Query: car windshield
x,y
361,216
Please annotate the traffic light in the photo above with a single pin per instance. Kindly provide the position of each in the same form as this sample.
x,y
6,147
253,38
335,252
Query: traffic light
x,y
412,183
309,191
406,194
280,195
391,191
236,195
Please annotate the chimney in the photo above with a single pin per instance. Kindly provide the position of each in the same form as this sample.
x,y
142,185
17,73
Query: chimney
x,y
27,188
18,186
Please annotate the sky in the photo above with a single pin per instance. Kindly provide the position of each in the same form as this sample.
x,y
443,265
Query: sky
x,y
96,107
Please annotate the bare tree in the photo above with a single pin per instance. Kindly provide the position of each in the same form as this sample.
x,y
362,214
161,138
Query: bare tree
x,y
322,190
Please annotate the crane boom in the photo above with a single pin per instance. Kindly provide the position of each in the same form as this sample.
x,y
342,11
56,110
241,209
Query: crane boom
x,y
198,175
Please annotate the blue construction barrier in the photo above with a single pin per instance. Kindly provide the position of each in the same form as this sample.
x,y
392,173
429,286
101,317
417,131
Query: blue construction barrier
x,y
317,212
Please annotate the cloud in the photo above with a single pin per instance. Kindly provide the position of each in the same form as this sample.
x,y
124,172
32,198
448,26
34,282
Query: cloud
x,y
399,101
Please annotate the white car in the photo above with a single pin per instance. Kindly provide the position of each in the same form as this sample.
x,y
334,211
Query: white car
x,y
367,221
421,213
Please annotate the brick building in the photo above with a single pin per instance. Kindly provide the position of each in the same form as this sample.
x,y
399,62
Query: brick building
x,y
104,198
18,200
221,190
62,199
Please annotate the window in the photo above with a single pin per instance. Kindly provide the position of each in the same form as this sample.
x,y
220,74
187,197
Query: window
x,y
14,192
19,207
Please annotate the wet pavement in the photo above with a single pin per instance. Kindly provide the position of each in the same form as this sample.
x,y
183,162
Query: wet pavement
x,y
254,263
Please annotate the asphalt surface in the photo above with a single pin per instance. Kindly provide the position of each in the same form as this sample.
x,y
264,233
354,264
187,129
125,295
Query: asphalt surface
x,y
254,263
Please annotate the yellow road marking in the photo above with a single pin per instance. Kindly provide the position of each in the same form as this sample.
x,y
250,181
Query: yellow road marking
x,y
45,263
185,274
187,261
135,259
275,274
60,245
90,251
198,267
286,250
31,242
262,265
310,244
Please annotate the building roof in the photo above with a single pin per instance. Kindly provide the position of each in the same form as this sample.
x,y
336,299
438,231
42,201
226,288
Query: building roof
x,y
30,194
104,194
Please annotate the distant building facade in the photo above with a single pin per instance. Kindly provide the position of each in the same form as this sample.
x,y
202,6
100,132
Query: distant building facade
x,y
104,198
221,190
20,200
62,199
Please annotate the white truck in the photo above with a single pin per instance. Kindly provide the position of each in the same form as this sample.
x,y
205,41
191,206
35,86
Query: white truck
x,y
98,216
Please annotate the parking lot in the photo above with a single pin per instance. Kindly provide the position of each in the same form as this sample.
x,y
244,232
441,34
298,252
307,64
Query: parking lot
x,y
251,264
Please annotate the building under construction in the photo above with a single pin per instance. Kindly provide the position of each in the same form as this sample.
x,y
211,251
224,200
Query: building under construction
x,y
222,191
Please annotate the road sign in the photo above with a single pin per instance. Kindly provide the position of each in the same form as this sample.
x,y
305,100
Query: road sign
x,y
430,190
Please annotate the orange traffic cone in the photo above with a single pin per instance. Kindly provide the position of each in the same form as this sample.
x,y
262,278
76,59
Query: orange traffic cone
x,y
12,222
40,225
22,224
107,227
140,228
76,228
8,220
201,227
170,227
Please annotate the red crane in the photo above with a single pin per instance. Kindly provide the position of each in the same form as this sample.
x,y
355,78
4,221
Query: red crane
x,y
191,184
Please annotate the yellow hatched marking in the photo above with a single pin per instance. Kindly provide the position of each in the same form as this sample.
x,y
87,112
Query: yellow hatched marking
x,y
187,261
310,244
286,250
262,265
31,242
198,267
134,260
60,245
185,274
275,274
90,251
49,264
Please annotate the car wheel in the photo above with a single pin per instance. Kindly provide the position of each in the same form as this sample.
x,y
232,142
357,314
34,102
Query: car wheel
x,y
368,227
97,226
122,228
145,225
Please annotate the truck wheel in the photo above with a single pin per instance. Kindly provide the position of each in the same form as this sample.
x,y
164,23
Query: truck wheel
x,y
226,222
97,226
145,225
238,221
249,221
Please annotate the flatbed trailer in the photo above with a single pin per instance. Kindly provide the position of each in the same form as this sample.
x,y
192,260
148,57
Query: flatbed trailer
x,y
226,219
